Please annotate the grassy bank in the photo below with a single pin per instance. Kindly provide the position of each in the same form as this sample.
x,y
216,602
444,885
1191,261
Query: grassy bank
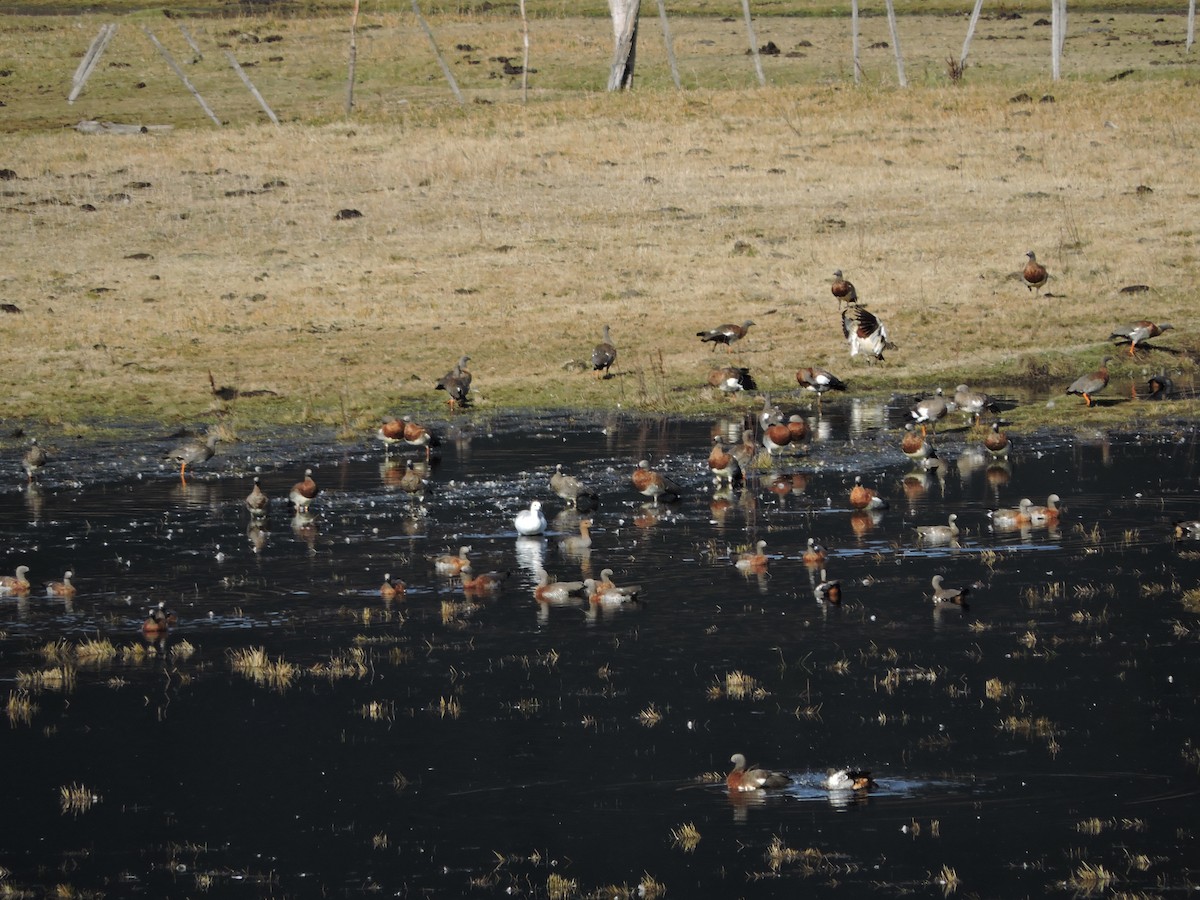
x,y
512,233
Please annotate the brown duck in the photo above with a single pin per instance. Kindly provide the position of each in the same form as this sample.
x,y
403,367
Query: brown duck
x,y
1092,383
1137,332
843,289
743,778
1034,274
604,354
726,334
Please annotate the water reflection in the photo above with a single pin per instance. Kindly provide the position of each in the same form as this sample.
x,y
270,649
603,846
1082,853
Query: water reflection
x,y
501,717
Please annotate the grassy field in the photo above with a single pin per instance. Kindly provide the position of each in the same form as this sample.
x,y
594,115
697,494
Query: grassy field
x,y
513,232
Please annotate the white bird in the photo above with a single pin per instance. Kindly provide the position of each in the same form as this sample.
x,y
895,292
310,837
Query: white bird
x,y
531,521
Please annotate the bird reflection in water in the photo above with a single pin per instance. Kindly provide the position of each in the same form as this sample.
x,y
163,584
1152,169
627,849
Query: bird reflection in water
x,y
257,534
304,528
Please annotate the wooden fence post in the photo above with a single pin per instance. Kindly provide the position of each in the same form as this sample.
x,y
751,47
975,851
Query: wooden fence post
x,y
891,14
438,53
962,60
88,63
762,79
178,71
666,30
191,42
353,62
1058,36
525,54
625,30
1191,28
250,86
854,41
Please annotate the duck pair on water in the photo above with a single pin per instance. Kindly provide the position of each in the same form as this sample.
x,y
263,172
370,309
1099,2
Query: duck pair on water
x,y
744,778
18,584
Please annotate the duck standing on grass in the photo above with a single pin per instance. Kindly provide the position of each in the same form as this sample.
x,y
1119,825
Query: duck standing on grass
x,y
1034,274
1092,383
604,354
456,383
726,334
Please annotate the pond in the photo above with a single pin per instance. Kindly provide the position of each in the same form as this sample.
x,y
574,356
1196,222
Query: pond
x,y
1043,738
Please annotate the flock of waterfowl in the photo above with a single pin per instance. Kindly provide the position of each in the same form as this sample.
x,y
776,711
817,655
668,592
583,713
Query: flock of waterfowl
x,y
764,436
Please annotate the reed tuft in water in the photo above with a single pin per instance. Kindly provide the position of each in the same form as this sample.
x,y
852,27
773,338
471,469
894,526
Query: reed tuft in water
x,y
95,651
686,837
948,879
559,888
255,664
650,716
77,799
57,678
20,708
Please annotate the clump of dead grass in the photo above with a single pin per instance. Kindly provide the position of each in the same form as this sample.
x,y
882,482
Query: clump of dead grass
x,y
254,663
77,799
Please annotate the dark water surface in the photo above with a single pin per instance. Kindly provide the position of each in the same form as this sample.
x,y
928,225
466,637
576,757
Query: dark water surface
x,y
1043,740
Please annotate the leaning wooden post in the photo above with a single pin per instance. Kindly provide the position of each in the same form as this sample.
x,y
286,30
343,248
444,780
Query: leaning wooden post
x,y
854,41
191,42
436,52
353,63
962,60
524,55
762,79
666,30
891,13
1191,34
178,71
250,86
88,63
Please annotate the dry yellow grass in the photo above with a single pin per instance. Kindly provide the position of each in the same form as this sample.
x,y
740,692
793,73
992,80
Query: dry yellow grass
x,y
513,233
